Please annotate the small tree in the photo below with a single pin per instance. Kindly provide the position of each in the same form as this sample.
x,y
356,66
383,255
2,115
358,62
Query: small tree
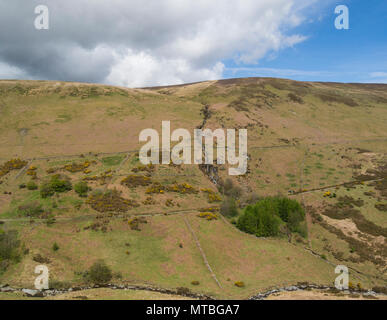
x,y
46,190
229,189
81,188
55,247
57,183
228,208
100,273
9,249
32,185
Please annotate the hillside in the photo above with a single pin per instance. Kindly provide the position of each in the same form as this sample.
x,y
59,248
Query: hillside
x,y
323,144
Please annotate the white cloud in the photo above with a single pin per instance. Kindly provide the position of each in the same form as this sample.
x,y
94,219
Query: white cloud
x,y
148,42
378,74
10,72
377,77
143,69
267,72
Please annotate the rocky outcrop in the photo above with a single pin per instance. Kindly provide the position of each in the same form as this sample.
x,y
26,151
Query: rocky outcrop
x,y
54,292
211,172
301,287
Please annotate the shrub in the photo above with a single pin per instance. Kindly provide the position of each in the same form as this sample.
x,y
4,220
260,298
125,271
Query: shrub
x,y
169,203
330,96
183,188
110,201
78,167
295,98
252,198
183,291
46,190
228,208
59,285
32,185
60,184
212,196
40,259
56,184
156,188
208,216
14,164
144,168
265,217
149,201
32,172
134,223
9,249
195,283
261,219
134,181
239,284
229,189
31,209
290,211
100,273
102,178
81,188
55,247
380,289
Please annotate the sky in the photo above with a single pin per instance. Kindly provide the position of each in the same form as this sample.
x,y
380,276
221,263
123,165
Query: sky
x,y
138,43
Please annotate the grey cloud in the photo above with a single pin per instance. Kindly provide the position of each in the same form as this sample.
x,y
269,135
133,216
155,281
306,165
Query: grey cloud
x,y
93,40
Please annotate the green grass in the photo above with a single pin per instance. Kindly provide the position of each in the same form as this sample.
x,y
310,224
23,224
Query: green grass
x,y
113,160
109,121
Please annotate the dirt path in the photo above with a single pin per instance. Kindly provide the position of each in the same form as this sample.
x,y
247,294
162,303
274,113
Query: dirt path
x,y
202,252
119,216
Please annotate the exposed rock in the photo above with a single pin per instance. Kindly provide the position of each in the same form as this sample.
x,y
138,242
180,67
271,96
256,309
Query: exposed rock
x,y
32,293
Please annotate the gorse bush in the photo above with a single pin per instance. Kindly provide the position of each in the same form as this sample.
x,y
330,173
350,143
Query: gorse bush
x,y
147,168
14,164
110,201
32,172
208,216
239,284
212,195
265,217
133,181
78,167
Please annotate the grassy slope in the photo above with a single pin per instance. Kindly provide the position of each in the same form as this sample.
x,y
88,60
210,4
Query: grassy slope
x,y
315,139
